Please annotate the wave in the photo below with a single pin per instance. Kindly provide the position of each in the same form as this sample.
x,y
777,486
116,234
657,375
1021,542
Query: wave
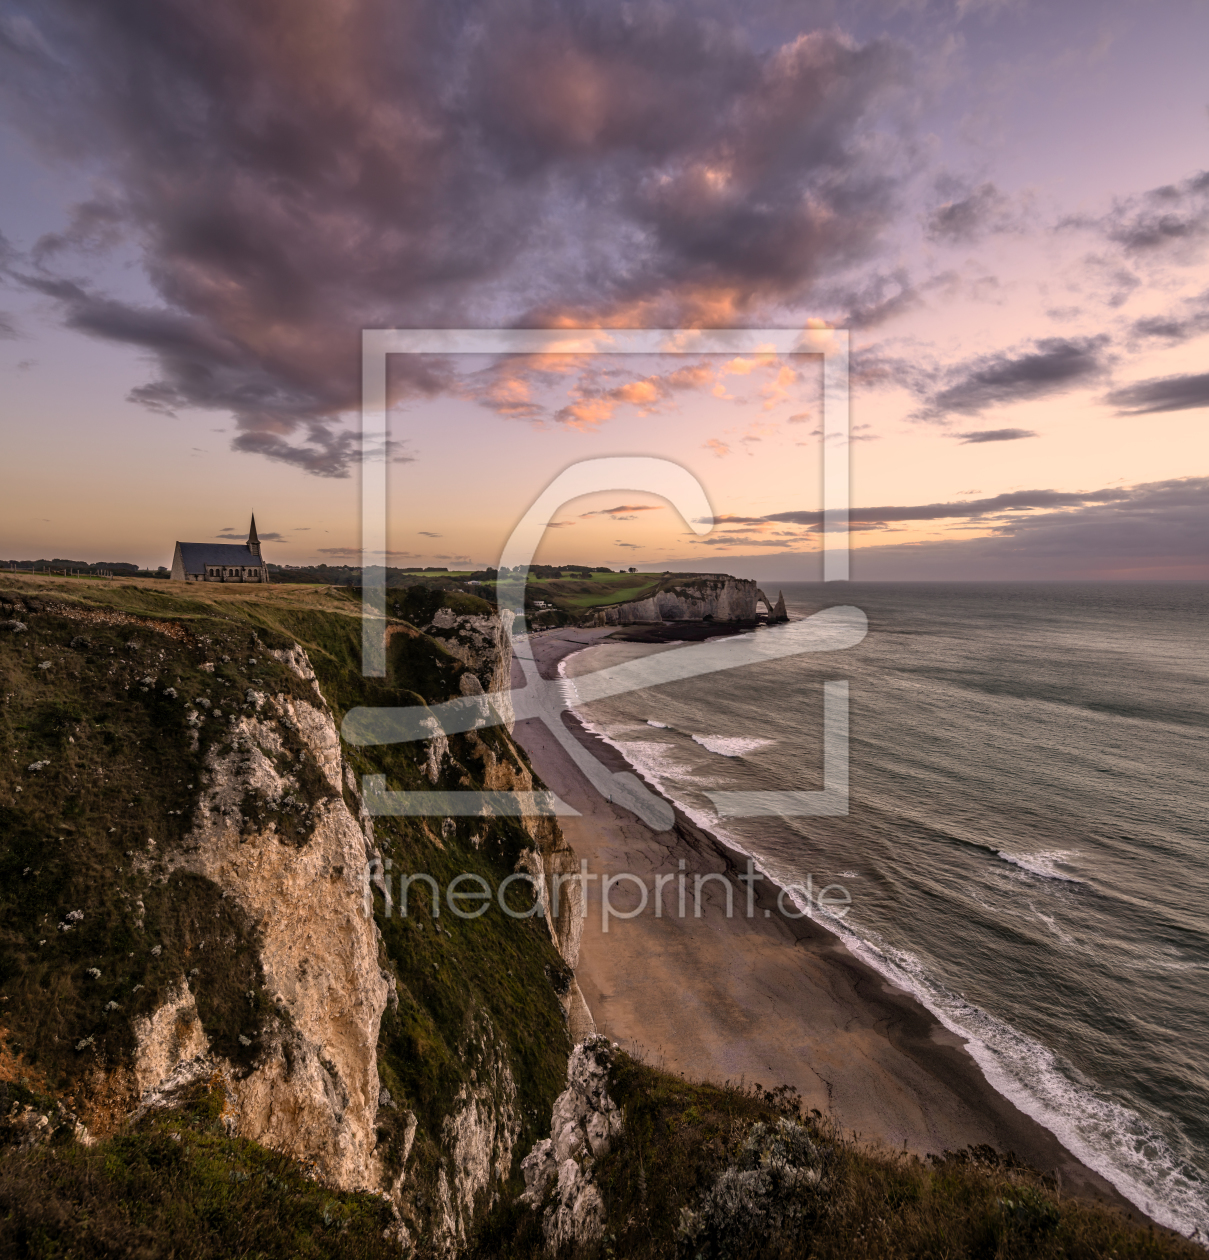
x,y
1042,864
731,745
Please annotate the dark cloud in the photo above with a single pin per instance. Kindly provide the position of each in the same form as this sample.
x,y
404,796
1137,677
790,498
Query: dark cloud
x,y
425,533
1012,502
1051,365
1155,530
966,218
993,435
292,177
1168,393
1174,215
237,536
8,327
1189,320
879,299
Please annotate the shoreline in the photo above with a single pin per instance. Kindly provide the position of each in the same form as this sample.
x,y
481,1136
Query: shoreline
x,y
766,998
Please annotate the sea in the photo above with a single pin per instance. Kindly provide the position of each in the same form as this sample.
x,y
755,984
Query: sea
x,y
1026,846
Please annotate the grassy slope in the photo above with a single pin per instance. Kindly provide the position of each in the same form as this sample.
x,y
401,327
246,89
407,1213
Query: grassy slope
x,y
679,1136
176,1185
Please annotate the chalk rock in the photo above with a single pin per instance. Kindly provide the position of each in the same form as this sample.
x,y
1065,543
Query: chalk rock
x,y
721,598
313,1089
583,1122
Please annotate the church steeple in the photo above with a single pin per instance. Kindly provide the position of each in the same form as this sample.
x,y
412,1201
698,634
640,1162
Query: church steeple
x,y
253,541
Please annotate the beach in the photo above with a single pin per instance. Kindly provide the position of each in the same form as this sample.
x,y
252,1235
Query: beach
x,y
764,998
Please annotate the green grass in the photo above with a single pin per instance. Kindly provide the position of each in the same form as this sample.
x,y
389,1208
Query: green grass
x,y
578,595
178,1186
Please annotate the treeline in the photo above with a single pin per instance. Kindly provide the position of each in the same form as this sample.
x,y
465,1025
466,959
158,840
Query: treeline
x,y
114,568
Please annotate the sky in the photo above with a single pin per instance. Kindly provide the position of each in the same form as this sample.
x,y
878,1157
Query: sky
x,y
1005,202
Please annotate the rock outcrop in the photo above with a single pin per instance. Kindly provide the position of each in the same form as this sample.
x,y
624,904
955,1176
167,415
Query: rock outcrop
x,y
583,1123
719,598
483,643
312,1088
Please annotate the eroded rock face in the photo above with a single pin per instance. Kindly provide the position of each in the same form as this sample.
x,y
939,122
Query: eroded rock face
x,y
722,598
484,645
313,1088
583,1123
172,1035
480,1135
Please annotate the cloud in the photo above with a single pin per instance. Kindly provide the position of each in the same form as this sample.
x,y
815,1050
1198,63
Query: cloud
x,y
1191,319
993,435
237,536
718,447
355,553
593,404
1168,393
8,327
1013,501
963,220
1150,530
425,533
628,546
625,511
1156,529
1173,215
291,181
1050,365
729,540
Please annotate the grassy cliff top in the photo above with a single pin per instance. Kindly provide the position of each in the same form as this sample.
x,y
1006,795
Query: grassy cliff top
x,y
579,595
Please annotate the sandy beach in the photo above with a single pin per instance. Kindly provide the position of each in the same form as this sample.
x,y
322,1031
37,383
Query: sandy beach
x,y
765,998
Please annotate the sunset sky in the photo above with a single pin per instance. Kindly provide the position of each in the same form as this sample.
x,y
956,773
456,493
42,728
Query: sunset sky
x,y
1005,201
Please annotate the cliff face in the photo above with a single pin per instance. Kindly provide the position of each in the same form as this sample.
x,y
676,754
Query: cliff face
x,y
721,598
227,911
313,1087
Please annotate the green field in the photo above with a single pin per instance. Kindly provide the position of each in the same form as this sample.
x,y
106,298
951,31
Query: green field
x,y
578,595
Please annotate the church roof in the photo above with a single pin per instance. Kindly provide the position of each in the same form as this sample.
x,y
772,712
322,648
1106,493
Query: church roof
x,y
195,556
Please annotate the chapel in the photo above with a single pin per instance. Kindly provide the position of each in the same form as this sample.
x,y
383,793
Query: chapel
x,y
220,562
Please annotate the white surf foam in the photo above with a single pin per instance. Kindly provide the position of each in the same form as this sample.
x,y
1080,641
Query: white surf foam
x,y
1043,864
730,745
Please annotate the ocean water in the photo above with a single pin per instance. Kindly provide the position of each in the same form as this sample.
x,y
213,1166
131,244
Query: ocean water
x,y
1027,844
